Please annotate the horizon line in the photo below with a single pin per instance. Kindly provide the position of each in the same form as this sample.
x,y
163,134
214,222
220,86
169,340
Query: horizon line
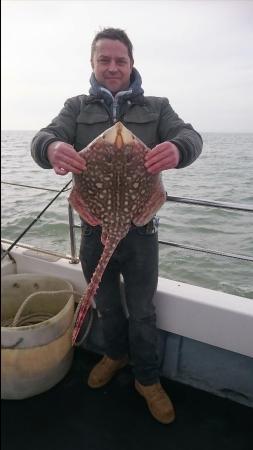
x,y
203,131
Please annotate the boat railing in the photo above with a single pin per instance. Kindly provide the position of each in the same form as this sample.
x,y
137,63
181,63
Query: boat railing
x,y
184,200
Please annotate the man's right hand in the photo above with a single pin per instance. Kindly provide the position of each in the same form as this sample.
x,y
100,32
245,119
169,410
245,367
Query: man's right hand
x,y
64,159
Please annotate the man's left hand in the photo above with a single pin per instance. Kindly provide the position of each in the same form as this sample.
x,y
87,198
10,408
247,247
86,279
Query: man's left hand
x,y
162,157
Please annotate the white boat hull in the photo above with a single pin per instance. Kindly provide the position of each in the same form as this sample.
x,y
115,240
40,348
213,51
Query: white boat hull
x,y
206,336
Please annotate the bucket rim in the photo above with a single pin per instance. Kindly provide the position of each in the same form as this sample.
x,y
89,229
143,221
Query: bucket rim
x,y
50,320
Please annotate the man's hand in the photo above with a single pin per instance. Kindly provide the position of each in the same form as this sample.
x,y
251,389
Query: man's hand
x,y
64,159
163,156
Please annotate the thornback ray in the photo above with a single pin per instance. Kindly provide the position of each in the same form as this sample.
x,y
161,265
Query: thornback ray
x,y
115,191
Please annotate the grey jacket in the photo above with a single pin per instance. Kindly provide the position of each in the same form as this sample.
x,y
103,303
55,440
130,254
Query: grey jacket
x,y
151,119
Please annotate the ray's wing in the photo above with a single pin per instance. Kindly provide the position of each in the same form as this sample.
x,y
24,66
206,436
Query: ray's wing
x,y
153,204
78,203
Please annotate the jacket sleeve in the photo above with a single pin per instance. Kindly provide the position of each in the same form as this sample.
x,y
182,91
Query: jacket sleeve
x,y
62,128
183,135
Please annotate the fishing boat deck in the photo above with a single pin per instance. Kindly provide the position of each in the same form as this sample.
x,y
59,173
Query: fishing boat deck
x,y
71,416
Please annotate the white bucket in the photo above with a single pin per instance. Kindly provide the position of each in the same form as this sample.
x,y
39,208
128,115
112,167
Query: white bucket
x,y
35,357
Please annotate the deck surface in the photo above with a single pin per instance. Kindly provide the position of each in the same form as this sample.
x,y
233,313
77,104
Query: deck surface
x,y
71,416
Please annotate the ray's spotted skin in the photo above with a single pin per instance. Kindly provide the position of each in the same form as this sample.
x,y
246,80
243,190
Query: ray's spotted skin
x,y
115,191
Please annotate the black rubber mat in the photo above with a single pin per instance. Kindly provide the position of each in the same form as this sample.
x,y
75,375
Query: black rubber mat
x,y
71,416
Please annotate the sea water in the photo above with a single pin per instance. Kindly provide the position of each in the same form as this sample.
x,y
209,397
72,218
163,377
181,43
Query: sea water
x,y
223,172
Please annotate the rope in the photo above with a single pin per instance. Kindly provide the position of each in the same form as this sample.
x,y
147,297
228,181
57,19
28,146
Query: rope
x,y
41,250
31,187
31,296
207,250
16,321
33,318
214,204
34,221
29,319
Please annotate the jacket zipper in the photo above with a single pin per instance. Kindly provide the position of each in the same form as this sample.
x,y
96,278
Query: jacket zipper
x,y
115,101
114,109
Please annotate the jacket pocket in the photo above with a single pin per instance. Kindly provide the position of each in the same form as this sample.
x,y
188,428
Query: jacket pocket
x,y
141,117
144,125
89,126
90,118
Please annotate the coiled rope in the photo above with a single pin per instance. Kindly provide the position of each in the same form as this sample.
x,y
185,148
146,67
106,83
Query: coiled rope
x,y
20,319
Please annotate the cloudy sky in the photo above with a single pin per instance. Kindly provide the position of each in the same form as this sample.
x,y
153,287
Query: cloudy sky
x,y
198,53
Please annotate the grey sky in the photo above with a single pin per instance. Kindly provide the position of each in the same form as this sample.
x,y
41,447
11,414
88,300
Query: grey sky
x,y
199,54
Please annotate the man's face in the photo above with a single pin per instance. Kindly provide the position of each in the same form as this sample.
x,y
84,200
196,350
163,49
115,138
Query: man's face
x,y
112,65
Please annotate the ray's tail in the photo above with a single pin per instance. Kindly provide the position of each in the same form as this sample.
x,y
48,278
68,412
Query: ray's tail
x,y
85,302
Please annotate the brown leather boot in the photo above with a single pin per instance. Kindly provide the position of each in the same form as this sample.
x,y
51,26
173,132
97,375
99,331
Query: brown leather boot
x,y
158,402
103,372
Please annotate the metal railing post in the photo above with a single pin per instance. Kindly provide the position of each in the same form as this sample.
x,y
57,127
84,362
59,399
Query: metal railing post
x,y
74,258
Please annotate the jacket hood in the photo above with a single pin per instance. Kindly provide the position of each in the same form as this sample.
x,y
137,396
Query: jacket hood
x,y
135,88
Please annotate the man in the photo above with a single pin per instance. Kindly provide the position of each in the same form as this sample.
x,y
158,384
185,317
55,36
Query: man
x,y
116,94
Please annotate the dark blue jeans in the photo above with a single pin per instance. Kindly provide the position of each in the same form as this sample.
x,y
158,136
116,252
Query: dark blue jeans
x,y
136,258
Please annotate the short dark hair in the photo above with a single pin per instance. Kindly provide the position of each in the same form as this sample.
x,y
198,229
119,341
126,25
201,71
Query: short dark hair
x,y
116,34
